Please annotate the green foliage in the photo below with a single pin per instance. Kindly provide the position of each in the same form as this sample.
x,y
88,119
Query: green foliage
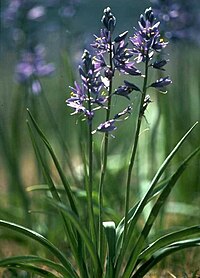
x,y
139,255
98,242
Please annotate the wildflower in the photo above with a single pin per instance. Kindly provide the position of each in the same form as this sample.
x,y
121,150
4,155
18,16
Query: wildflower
x,y
147,40
99,62
91,78
125,90
121,56
32,66
124,114
102,43
116,49
107,126
162,82
85,96
159,64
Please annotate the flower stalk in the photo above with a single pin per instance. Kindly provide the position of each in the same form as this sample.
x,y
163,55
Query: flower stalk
x,y
90,185
105,155
134,149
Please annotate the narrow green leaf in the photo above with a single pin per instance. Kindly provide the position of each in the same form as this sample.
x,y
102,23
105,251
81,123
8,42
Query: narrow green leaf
x,y
37,187
43,241
162,253
73,239
57,164
33,259
110,232
120,226
52,187
168,239
153,214
145,199
72,217
33,269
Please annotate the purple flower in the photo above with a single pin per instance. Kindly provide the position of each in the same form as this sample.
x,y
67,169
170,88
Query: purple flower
x,y
78,99
147,40
121,56
125,90
31,66
87,97
33,63
124,114
102,43
159,64
162,82
107,126
99,62
116,48
18,10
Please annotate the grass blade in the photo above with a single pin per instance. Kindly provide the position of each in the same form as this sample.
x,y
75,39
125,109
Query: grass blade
x,y
33,259
44,242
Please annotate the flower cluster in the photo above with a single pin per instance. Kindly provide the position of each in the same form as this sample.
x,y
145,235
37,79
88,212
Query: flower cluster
x,y
115,54
32,66
85,98
147,40
105,46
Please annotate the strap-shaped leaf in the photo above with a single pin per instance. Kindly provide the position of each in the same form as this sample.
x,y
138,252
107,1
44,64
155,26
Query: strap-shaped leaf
x,y
57,164
153,214
33,259
73,239
120,226
33,269
168,239
110,232
72,217
164,252
143,202
44,242
52,187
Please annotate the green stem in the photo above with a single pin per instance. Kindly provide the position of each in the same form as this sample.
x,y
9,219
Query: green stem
x,y
89,188
134,150
104,161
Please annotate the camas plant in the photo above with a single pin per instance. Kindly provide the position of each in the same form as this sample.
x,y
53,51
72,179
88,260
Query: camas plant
x,y
104,248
